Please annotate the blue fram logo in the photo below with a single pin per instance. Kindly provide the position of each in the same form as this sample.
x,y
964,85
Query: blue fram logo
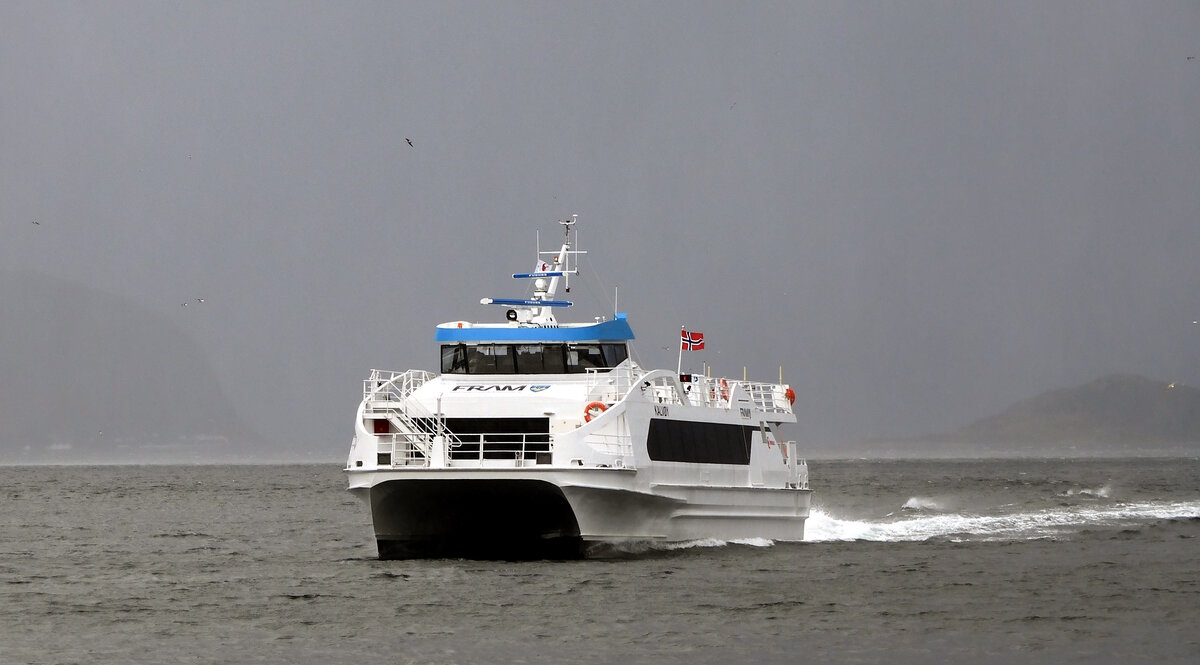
x,y
538,389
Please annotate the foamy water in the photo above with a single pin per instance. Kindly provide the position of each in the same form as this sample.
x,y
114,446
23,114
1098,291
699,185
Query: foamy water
x,y
923,503
1099,492
822,526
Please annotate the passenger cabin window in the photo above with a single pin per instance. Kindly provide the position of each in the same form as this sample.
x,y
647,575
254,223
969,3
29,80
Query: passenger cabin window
x,y
490,359
531,358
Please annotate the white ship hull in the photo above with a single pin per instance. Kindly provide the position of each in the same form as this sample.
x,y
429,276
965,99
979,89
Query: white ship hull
x,y
560,513
585,483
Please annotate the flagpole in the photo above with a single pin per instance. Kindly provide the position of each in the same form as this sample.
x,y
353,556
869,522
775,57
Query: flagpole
x,y
679,364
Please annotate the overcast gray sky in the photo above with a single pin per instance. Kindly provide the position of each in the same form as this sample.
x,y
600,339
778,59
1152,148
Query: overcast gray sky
x,y
924,211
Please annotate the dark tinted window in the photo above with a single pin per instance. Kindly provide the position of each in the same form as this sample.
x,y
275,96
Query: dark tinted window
x,y
454,359
582,357
614,354
703,443
540,359
490,359
529,358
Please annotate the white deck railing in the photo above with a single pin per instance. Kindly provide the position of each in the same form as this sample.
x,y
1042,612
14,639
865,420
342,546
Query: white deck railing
x,y
382,385
499,449
402,449
769,397
616,445
665,387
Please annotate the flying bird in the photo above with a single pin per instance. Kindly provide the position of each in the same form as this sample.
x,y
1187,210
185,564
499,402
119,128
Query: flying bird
x,y
199,299
1170,386
36,223
409,142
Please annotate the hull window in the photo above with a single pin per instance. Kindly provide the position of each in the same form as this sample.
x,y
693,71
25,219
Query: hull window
x,y
699,443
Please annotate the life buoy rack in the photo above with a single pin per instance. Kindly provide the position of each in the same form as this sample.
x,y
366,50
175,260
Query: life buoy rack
x,y
724,390
592,410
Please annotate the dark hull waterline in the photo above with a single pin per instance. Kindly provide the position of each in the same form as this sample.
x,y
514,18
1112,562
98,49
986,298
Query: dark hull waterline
x,y
474,519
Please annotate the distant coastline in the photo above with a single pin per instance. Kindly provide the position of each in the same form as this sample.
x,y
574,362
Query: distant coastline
x,y
91,376
1119,415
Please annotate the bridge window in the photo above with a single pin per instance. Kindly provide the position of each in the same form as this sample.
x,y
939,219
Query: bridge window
x,y
454,359
540,359
614,354
530,358
581,357
490,359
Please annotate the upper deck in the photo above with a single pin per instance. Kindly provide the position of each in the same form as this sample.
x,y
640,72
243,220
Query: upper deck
x,y
615,330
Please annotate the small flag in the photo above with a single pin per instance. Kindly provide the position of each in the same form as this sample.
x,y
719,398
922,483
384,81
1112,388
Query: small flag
x,y
691,341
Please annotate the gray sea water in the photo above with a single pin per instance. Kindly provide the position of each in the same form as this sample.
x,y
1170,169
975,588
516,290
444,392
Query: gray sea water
x,y
1025,561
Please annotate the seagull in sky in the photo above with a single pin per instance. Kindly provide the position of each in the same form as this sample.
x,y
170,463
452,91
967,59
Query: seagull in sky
x,y
1171,385
409,142
36,223
199,299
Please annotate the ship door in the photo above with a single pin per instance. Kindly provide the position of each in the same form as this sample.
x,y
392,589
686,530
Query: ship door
x,y
756,456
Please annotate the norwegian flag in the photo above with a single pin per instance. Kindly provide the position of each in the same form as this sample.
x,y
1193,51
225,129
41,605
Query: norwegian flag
x,y
691,341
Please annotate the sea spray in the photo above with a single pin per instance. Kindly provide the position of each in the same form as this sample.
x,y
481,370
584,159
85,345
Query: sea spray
x,y
1055,521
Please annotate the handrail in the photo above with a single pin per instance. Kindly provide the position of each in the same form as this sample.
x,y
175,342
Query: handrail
x,y
500,446
768,397
797,466
609,384
404,449
387,392
659,385
618,445
394,386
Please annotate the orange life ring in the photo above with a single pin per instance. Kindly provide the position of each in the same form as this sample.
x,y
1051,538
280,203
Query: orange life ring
x,y
724,390
790,395
592,410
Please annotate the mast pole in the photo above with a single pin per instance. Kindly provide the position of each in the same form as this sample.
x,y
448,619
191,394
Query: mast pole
x,y
679,363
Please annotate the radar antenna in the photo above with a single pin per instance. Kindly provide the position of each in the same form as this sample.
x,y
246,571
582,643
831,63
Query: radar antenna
x,y
568,224
551,267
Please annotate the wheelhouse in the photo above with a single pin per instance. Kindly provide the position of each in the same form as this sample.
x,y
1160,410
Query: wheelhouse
x,y
518,348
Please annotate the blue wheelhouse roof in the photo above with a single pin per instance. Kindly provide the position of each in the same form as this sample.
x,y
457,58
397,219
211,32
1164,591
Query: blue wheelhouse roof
x,y
617,330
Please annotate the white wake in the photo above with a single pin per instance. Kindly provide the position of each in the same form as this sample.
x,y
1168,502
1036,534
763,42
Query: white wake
x,y
822,526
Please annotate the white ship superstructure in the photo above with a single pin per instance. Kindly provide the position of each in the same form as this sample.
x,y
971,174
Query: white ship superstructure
x,y
539,438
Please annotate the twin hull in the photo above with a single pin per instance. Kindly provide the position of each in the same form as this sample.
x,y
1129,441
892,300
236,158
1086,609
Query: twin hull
x,y
660,463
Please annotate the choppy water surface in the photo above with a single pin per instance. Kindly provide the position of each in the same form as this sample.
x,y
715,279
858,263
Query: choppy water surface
x,y
919,561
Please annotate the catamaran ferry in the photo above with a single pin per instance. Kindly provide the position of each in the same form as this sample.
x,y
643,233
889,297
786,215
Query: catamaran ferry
x,y
539,439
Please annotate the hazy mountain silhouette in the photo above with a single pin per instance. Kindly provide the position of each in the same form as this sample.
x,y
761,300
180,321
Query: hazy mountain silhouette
x,y
91,376
1118,413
